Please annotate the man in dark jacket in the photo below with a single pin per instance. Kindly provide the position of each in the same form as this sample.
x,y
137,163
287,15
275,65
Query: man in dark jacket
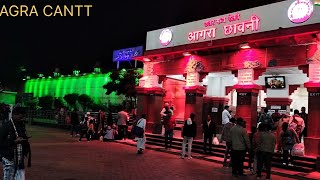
x,y
14,146
74,122
209,129
240,144
189,132
304,116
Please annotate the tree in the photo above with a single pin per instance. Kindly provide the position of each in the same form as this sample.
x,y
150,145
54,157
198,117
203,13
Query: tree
x,y
85,101
32,103
46,102
71,99
124,82
58,103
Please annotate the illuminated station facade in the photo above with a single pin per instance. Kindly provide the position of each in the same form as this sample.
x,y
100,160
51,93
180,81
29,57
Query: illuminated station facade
x,y
268,56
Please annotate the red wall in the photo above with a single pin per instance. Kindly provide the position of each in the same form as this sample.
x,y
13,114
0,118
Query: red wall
x,y
175,95
285,56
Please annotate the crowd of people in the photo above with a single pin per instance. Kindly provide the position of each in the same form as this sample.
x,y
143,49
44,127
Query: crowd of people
x,y
273,133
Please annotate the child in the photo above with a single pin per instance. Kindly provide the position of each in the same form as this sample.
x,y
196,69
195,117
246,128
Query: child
x,y
91,131
252,158
110,133
83,128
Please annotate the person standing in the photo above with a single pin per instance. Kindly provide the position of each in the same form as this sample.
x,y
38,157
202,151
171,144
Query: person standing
x,y
83,127
101,120
123,119
74,122
209,130
252,152
225,136
288,138
266,117
189,132
141,141
169,124
226,116
304,116
297,123
264,143
14,146
166,106
240,144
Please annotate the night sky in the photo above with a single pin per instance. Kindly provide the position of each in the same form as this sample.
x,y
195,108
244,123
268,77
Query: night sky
x,y
43,43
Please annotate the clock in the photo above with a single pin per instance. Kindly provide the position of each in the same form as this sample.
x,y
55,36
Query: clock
x,y
300,11
165,37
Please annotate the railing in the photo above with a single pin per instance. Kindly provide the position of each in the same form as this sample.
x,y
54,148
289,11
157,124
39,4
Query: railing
x,y
57,118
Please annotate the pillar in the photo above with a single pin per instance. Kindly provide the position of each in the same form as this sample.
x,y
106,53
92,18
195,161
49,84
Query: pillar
x,y
279,105
214,106
194,104
149,102
312,141
247,96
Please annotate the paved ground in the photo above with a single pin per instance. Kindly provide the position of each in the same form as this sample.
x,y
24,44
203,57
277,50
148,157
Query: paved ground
x,y
57,156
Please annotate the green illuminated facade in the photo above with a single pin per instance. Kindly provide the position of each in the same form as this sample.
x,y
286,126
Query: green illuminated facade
x,y
90,84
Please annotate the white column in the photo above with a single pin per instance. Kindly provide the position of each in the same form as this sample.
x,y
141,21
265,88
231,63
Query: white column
x,y
217,83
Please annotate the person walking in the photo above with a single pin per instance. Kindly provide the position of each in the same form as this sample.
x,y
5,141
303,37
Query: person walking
x,y
264,143
209,130
225,136
189,132
14,146
141,141
240,144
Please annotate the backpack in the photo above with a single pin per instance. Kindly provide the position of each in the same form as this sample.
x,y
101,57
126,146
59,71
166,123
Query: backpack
x,y
287,139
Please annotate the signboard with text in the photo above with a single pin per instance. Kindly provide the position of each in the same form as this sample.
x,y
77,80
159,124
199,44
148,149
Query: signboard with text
x,y
192,79
284,14
127,54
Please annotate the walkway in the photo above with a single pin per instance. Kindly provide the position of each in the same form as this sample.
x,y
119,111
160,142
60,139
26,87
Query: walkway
x,y
57,156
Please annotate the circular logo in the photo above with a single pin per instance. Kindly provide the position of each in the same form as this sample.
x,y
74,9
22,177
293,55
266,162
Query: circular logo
x,y
300,11
165,37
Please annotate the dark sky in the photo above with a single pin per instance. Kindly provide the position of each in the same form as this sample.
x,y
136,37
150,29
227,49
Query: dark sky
x,y
43,43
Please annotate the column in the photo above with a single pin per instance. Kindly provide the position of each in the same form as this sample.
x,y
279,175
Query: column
x,y
215,98
194,104
312,141
247,97
149,102
214,106
279,105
